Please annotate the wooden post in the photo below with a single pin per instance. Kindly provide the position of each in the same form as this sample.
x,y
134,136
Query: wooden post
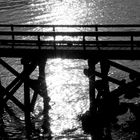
x,y
91,65
54,38
132,40
39,44
91,74
84,47
13,37
28,124
46,99
104,65
97,39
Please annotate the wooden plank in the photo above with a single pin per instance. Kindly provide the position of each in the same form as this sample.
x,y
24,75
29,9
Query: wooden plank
x,y
124,68
71,54
113,80
60,25
33,101
11,113
110,79
33,44
18,103
94,34
70,41
12,70
130,86
9,96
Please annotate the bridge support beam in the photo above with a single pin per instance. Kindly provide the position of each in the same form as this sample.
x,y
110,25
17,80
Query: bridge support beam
x,y
28,123
29,86
104,66
90,73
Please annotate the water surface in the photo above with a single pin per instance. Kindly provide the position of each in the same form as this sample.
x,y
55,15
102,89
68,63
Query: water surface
x,y
67,85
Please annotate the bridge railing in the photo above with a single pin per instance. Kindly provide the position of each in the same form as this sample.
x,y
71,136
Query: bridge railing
x,y
114,37
95,27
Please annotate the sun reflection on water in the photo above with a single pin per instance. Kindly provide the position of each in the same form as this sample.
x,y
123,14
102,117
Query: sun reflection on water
x,y
68,89
59,11
67,12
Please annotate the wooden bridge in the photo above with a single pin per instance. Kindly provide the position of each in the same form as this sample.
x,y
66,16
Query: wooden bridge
x,y
33,44
70,41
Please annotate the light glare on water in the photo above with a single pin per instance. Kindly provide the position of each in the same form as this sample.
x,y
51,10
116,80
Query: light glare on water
x,y
60,11
68,89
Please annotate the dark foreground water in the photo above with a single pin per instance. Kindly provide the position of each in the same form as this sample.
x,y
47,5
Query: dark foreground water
x,y
67,85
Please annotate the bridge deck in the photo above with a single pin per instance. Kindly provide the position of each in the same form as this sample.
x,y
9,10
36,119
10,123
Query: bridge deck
x,y
70,41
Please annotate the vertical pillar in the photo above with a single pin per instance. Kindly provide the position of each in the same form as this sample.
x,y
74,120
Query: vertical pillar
x,y
46,99
91,74
27,99
107,106
104,65
91,65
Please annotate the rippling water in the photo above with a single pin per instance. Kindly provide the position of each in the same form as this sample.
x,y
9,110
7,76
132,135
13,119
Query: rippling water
x,y
67,85
68,89
69,11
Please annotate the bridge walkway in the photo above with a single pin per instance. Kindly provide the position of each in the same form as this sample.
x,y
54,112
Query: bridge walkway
x,y
70,41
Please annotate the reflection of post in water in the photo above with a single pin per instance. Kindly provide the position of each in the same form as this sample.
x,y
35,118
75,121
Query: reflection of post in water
x,y
46,99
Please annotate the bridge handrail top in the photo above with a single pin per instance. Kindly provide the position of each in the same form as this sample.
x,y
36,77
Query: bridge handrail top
x,y
75,33
70,41
61,25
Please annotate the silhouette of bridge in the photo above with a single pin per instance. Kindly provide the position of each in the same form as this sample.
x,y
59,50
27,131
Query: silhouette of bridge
x,y
35,43
71,41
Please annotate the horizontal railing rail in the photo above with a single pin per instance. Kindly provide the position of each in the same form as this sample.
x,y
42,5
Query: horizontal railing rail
x,y
96,33
93,25
128,38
